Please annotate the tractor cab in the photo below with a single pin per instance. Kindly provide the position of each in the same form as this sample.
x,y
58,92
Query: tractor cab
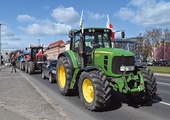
x,y
84,44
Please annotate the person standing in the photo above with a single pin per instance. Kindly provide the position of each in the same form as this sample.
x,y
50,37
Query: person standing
x,y
13,63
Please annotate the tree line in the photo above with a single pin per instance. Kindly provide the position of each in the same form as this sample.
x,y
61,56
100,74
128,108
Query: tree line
x,y
154,44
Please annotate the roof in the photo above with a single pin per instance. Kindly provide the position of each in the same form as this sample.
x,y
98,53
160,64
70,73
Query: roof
x,y
55,44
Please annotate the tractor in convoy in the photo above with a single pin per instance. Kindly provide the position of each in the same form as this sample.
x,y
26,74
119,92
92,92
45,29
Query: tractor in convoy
x,y
20,62
34,59
94,69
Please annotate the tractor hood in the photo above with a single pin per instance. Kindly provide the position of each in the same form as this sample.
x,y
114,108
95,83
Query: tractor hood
x,y
113,51
110,60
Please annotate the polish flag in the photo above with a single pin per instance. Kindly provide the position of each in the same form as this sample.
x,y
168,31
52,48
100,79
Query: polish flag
x,y
109,25
18,53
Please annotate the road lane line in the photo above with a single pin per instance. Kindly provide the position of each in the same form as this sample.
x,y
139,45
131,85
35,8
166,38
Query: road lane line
x,y
161,102
163,83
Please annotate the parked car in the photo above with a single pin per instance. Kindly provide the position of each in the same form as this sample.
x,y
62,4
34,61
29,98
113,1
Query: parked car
x,y
159,63
168,63
150,63
49,70
7,64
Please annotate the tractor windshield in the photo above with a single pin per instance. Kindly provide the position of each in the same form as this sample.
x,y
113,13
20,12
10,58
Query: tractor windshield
x,y
97,39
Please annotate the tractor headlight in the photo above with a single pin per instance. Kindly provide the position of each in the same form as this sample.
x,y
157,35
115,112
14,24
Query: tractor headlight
x,y
127,68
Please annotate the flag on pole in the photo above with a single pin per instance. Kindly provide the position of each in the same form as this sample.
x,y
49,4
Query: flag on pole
x,y
81,22
18,53
109,25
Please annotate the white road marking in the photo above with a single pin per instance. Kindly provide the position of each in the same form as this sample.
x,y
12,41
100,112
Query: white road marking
x,y
163,83
161,102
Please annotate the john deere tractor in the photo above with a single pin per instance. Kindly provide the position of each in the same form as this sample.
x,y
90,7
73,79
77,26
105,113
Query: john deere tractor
x,y
95,70
34,59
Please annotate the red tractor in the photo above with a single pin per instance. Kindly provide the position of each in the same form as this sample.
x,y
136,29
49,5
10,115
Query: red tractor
x,y
34,59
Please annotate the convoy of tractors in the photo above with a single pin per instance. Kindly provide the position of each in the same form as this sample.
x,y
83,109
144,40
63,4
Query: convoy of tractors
x,y
93,69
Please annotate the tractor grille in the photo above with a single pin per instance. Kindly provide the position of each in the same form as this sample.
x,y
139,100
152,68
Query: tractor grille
x,y
121,60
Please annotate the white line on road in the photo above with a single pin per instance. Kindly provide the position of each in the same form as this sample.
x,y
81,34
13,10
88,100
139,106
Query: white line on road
x,y
161,102
163,83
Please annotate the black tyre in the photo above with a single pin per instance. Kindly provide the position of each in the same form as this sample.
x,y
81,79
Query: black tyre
x,y
31,67
94,90
26,67
43,75
20,65
150,88
64,76
51,78
23,66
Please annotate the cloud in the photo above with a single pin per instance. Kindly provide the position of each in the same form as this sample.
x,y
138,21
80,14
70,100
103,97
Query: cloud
x,y
35,28
65,15
46,27
146,13
25,18
8,38
95,16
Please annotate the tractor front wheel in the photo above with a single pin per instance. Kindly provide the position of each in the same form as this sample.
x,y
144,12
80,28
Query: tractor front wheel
x,y
150,88
64,75
94,90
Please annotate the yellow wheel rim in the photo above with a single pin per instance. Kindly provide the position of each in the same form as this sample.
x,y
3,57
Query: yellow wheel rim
x,y
88,90
61,76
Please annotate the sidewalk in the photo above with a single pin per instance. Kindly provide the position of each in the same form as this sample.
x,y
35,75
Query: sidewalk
x,y
19,100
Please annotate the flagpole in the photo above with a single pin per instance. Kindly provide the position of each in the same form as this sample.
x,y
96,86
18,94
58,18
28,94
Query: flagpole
x,y
81,40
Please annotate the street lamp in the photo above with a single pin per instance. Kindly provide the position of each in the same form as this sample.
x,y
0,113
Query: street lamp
x,y
0,43
164,50
39,41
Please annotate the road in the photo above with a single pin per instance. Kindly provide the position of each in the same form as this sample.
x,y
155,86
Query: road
x,y
121,109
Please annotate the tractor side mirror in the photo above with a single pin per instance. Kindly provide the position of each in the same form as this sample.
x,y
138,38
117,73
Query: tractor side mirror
x,y
71,33
123,34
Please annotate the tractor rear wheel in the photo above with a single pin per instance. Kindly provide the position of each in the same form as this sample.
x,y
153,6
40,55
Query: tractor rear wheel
x,y
26,67
94,90
150,88
43,75
64,76
31,67
23,66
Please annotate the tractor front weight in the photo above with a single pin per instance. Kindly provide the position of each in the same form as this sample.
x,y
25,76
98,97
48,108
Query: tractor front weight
x,y
129,83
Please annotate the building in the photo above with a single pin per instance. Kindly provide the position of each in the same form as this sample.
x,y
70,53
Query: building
x,y
54,49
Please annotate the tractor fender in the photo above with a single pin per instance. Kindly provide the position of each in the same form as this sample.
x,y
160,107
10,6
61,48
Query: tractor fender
x,y
87,69
68,58
71,57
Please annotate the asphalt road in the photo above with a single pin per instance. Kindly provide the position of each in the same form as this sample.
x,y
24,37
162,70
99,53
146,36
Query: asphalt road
x,y
121,109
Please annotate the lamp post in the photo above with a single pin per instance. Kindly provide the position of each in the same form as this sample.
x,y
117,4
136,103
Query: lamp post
x,y
39,41
0,43
164,50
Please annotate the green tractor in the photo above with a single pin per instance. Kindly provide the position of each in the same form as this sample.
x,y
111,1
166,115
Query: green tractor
x,y
95,69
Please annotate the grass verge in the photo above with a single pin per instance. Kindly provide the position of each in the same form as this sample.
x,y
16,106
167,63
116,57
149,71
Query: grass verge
x,y
159,69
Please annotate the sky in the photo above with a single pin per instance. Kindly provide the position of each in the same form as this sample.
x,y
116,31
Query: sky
x,y
26,22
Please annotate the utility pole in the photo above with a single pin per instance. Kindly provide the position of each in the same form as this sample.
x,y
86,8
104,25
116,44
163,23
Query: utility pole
x,y
164,50
0,44
39,41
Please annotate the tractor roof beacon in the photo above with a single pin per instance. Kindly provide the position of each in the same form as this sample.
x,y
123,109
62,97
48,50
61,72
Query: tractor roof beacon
x,y
94,69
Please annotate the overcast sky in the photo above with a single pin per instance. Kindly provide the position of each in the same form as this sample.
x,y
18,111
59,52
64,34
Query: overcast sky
x,y
26,22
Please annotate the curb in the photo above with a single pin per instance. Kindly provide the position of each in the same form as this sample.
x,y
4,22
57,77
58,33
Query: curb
x,y
45,96
162,74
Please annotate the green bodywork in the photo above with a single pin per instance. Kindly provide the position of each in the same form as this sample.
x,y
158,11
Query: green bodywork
x,y
125,82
